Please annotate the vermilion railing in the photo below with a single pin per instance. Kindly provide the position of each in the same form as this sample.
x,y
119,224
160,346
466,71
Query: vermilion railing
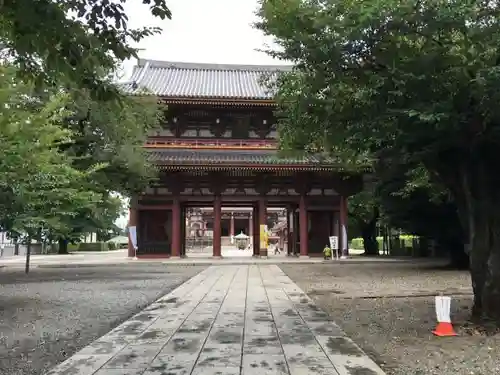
x,y
163,142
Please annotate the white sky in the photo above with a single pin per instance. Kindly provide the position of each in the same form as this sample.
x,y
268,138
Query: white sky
x,y
215,31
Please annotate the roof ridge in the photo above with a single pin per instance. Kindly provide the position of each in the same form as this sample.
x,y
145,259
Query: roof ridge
x,y
212,66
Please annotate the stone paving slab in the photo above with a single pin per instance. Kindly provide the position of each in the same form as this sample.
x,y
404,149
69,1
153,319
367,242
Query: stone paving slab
x,y
227,320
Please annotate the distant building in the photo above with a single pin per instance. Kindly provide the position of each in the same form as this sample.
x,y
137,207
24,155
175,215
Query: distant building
x,y
235,220
4,238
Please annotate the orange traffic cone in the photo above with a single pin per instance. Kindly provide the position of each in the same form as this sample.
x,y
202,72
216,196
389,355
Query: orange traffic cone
x,y
444,327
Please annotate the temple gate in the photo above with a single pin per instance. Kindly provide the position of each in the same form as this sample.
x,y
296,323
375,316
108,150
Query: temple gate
x,y
218,161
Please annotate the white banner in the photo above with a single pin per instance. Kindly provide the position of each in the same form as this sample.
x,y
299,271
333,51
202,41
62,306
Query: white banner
x,y
132,232
344,238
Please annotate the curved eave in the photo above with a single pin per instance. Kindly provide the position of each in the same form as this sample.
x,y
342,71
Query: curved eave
x,y
259,167
261,102
221,101
215,148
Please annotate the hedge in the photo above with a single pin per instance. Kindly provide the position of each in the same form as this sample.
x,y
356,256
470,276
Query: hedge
x,y
406,239
93,246
54,248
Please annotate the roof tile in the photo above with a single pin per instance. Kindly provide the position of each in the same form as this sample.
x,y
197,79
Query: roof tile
x,y
192,80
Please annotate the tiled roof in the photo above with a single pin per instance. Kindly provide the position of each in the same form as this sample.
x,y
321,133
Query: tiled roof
x,y
232,158
204,81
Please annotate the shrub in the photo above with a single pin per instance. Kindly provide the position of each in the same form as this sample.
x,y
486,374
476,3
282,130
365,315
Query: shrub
x,y
356,243
93,246
112,246
73,246
406,241
54,248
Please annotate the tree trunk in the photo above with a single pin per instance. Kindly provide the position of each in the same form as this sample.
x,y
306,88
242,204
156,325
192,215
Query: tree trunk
x,y
459,259
471,183
63,247
491,287
470,173
369,234
482,203
475,217
478,264
28,254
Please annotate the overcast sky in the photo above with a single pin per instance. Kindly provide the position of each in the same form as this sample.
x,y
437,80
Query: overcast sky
x,y
211,31
215,31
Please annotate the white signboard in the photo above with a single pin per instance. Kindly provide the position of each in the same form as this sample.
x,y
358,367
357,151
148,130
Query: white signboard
x,y
334,245
132,232
334,242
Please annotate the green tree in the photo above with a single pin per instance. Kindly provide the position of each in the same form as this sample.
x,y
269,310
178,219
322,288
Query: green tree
x,y
112,132
421,79
413,203
39,186
90,219
110,212
363,209
109,133
71,40
75,46
99,219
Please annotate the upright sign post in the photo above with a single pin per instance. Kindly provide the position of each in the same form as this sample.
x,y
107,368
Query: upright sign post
x,y
132,232
334,245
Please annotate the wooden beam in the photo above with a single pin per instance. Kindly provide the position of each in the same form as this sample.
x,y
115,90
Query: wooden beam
x,y
146,207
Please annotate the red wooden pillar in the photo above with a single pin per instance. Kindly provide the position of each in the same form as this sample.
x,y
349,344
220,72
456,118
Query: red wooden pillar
x,y
343,244
289,231
303,226
176,228
217,251
262,221
231,228
132,222
182,252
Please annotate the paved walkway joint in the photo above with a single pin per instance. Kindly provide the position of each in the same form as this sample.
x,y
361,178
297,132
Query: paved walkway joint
x,y
227,320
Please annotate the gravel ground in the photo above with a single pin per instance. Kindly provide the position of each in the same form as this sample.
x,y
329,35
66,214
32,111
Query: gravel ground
x,y
388,309
50,314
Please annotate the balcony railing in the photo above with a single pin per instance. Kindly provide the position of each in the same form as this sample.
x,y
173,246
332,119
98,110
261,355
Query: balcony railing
x,y
200,143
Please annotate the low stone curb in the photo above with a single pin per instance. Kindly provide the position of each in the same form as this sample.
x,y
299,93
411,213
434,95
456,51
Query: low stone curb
x,y
89,265
218,262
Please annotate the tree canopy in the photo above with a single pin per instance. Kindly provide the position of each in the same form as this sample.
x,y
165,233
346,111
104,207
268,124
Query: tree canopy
x,y
71,41
40,188
420,79
63,156
63,54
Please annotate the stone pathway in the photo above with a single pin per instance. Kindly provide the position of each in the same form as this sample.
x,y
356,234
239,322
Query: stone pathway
x,y
227,320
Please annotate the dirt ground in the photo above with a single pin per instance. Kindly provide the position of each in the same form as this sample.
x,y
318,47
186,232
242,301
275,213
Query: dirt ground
x,y
49,314
388,310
